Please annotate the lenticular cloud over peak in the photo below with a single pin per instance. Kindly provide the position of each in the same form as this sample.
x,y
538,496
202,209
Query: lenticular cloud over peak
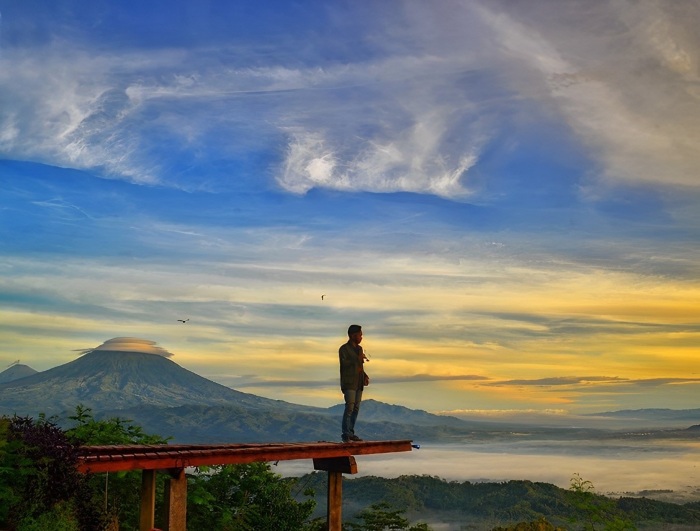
x,y
130,344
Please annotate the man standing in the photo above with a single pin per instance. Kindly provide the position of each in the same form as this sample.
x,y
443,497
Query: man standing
x,y
352,380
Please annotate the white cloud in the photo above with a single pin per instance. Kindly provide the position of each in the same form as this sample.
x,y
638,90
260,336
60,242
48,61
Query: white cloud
x,y
623,77
72,114
409,158
413,116
129,344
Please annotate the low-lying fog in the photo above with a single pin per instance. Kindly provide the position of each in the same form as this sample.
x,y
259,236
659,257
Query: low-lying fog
x,y
614,467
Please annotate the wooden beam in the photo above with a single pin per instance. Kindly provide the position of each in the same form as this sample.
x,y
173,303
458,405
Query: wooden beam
x,y
335,466
176,501
147,519
151,457
335,501
345,465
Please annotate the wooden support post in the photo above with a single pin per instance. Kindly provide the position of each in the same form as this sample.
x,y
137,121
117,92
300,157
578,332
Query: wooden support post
x,y
176,501
334,512
335,466
148,500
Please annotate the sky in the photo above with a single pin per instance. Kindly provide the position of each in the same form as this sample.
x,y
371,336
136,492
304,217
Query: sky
x,y
503,194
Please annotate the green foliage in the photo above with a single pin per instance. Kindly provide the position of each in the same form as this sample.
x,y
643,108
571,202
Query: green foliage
x,y
541,524
38,474
598,512
9,469
39,480
382,517
244,497
512,501
504,503
90,432
118,493
658,512
61,517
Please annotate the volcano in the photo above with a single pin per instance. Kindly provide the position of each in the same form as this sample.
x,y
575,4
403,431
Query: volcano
x,y
107,380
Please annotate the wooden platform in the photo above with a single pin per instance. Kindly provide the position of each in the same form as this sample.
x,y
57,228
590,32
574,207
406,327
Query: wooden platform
x,y
335,458
94,459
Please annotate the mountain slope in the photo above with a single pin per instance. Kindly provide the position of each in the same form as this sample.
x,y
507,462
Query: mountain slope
x,y
239,424
16,372
375,411
104,380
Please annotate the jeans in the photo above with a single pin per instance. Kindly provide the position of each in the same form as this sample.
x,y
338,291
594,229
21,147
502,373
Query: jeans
x,y
352,408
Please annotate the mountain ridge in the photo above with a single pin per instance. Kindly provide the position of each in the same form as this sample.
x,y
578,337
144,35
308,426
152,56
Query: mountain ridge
x,y
165,398
18,371
170,400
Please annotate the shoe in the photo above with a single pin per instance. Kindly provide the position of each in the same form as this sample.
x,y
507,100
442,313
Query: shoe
x,y
345,439
354,438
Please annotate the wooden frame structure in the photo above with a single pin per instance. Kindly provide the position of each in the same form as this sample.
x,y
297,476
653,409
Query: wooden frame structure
x,y
335,458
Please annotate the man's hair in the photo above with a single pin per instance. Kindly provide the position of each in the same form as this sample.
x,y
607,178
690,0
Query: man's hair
x,y
354,329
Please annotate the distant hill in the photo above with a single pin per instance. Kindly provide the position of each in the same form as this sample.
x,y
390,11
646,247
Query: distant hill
x,y
651,414
15,372
483,505
375,411
231,423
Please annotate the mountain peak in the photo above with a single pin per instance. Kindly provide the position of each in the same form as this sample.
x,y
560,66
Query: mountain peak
x,y
104,379
15,372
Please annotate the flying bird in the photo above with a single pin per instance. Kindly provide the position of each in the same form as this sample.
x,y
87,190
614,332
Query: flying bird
x,y
184,320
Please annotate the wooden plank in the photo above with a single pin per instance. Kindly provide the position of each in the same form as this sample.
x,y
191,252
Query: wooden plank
x,y
152,457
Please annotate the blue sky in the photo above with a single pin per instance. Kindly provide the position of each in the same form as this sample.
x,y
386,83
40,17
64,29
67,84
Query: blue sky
x,y
505,195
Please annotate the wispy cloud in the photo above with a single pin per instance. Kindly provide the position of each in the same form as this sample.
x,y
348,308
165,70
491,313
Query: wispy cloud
x,y
564,380
402,118
630,93
262,382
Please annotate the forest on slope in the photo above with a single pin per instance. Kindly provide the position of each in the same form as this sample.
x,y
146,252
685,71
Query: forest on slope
x,y
484,506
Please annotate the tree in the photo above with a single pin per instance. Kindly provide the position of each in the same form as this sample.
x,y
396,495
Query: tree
x,y
541,524
382,517
245,497
599,512
40,487
39,481
117,493
88,432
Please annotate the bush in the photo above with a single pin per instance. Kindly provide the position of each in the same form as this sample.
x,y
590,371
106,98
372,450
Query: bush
x,y
39,481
